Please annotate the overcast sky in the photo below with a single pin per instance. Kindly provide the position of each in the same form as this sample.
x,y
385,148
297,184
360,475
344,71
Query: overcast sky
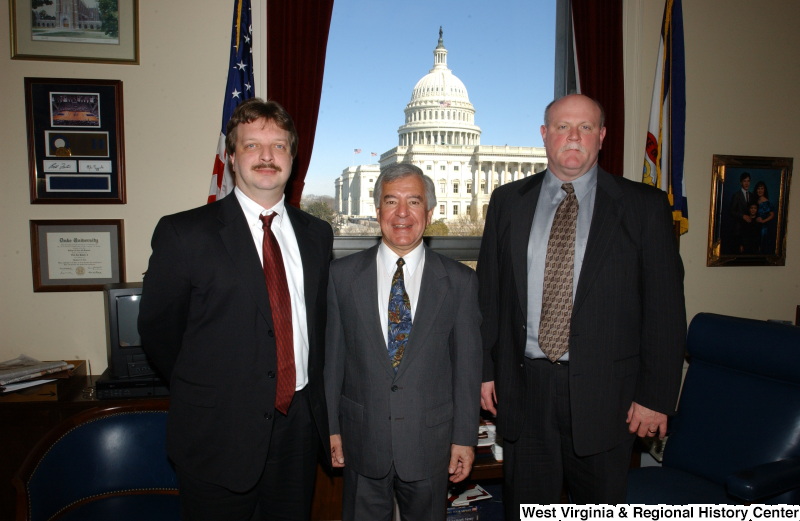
x,y
503,51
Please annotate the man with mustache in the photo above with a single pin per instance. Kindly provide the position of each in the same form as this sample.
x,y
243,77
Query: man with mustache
x,y
581,291
233,316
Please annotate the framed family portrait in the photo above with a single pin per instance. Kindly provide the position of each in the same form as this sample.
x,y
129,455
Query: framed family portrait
x,y
101,31
77,255
76,150
749,205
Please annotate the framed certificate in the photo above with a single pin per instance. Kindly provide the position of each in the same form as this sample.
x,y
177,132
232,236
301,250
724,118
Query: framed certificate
x,y
76,151
77,255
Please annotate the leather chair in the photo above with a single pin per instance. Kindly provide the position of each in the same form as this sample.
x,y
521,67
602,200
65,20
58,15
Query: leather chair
x,y
101,464
736,436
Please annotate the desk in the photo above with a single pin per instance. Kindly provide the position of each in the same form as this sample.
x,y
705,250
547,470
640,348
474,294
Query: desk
x,y
25,423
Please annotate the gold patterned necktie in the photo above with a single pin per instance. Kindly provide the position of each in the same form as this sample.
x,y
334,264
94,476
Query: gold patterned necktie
x,y
558,274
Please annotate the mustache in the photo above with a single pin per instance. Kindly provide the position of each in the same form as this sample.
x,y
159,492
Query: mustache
x,y
573,146
271,166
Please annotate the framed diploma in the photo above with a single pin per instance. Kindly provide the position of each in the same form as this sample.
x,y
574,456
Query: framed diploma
x,y
77,255
76,152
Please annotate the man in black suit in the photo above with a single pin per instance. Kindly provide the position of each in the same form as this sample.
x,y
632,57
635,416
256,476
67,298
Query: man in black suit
x,y
212,328
740,214
617,371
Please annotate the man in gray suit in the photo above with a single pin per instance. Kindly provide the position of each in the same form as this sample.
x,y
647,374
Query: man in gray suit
x,y
403,362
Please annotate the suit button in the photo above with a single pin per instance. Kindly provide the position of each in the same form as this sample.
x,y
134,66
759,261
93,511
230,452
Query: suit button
x,y
271,374
267,416
271,333
394,388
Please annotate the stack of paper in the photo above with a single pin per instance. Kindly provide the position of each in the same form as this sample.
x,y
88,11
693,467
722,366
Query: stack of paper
x,y
24,368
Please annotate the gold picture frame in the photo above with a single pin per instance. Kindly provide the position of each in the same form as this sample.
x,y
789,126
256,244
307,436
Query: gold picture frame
x,y
93,35
749,206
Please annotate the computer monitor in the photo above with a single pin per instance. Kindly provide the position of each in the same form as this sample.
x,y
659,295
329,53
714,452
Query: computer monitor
x,y
126,359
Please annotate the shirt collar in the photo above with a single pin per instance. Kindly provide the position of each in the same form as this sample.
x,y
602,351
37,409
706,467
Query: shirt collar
x,y
388,259
253,211
583,185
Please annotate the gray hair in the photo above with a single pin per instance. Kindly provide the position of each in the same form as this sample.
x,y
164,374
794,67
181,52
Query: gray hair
x,y
398,171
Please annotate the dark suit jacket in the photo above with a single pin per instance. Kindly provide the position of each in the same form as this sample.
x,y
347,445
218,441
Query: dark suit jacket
x,y
628,320
206,325
409,418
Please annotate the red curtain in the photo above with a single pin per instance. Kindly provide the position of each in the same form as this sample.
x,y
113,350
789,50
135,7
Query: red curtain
x,y
597,26
297,39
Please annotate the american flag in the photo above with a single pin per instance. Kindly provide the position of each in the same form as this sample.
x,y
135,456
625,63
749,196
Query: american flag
x,y
356,150
239,88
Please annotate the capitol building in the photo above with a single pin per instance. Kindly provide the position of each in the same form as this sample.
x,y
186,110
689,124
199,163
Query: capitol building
x,y
440,136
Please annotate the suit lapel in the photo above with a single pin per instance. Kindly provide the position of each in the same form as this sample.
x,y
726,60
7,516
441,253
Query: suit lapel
x,y
238,241
433,290
307,244
365,292
608,210
521,216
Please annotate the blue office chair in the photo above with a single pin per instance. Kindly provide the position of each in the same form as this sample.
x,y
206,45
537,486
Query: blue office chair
x,y
736,436
101,464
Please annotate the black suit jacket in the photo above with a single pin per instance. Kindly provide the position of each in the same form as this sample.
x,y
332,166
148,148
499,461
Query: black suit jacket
x,y
628,323
206,325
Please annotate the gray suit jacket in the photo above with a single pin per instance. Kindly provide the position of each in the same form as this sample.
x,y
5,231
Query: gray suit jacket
x,y
628,326
409,418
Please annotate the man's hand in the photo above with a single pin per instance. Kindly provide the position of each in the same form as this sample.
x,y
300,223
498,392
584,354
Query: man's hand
x,y
337,454
645,422
461,458
488,397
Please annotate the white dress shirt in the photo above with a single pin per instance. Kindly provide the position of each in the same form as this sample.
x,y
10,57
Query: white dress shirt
x,y
293,264
412,279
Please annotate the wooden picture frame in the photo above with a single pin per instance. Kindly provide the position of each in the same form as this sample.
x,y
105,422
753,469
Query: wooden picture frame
x,y
748,229
77,255
76,145
96,33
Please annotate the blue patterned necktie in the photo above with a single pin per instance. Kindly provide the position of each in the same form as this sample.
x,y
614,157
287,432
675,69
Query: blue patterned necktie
x,y
399,316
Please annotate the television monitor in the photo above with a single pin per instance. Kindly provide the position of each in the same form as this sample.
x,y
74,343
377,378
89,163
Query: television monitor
x,y
126,358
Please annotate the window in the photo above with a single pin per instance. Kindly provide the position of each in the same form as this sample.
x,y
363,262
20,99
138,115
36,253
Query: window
x,y
370,112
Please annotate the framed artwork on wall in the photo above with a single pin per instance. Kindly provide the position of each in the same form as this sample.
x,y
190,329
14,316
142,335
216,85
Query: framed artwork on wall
x,y
76,147
100,31
77,255
749,205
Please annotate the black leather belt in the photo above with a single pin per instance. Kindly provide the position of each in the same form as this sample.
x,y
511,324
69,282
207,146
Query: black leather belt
x,y
557,362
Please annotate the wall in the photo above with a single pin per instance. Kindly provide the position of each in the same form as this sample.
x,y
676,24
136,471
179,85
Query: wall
x,y
172,108
739,102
